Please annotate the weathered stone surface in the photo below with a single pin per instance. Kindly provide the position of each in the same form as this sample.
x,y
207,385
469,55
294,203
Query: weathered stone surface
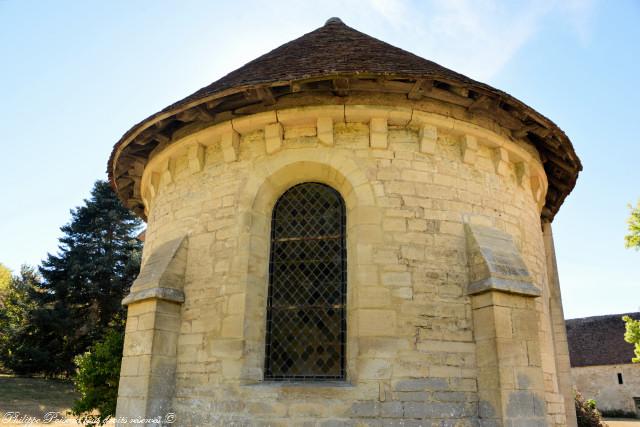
x,y
422,384
325,130
391,409
273,134
230,145
365,409
469,149
495,263
433,410
378,132
415,355
428,139
162,275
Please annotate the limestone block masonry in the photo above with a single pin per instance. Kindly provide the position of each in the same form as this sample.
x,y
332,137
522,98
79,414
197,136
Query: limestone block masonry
x,y
445,305
449,300
614,387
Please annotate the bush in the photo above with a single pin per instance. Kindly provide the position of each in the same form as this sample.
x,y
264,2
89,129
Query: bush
x,y
97,379
617,413
587,413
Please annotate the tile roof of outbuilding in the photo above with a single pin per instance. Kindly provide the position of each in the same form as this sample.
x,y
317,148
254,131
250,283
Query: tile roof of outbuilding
x,y
599,340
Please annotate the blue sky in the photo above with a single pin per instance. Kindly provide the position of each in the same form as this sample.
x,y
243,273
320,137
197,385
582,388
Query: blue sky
x,y
76,75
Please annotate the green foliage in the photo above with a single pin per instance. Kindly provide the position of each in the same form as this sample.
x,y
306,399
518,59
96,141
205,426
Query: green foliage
x,y
5,279
97,379
587,413
18,351
632,335
80,289
632,240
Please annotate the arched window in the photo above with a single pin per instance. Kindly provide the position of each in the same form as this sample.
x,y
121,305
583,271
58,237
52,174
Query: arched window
x,y
306,325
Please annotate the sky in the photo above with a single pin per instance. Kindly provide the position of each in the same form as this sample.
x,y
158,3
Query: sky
x,y
76,75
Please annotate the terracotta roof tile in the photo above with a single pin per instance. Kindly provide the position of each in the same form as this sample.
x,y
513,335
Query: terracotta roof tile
x,y
334,48
337,50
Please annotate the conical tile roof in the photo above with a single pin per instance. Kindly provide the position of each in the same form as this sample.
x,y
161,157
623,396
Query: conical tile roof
x,y
350,61
332,49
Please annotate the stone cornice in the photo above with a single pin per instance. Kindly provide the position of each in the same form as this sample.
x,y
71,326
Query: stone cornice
x,y
226,135
448,98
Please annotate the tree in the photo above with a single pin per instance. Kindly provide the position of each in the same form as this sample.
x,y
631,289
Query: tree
x,y
97,379
18,350
632,335
632,240
83,284
5,282
5,278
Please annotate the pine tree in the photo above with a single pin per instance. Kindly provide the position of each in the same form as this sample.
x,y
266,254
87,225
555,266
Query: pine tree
x,y
82,285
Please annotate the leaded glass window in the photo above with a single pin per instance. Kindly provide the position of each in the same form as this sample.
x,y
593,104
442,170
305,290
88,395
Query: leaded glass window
x,y
306,323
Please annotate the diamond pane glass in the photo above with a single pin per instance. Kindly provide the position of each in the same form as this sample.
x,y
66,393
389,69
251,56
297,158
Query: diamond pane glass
x,y
307,282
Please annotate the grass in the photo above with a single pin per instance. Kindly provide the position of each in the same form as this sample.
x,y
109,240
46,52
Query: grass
x,y
34,397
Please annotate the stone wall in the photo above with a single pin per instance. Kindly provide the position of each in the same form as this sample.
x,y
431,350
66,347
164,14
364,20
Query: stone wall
x,y
410,180
601,384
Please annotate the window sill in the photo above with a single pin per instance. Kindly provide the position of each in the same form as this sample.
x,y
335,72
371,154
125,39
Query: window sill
x,y
300,384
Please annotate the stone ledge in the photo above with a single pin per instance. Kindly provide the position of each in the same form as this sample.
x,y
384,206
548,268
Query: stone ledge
x,y
495,263
503,285
300,384
162,275
165,294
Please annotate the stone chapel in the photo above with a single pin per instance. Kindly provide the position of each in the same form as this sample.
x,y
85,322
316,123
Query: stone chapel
x,y
342,233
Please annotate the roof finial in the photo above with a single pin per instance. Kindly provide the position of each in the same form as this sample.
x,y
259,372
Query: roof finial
x,y
334,20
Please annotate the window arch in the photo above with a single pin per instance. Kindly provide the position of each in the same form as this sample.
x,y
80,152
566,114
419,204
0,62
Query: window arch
x,y
306,319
